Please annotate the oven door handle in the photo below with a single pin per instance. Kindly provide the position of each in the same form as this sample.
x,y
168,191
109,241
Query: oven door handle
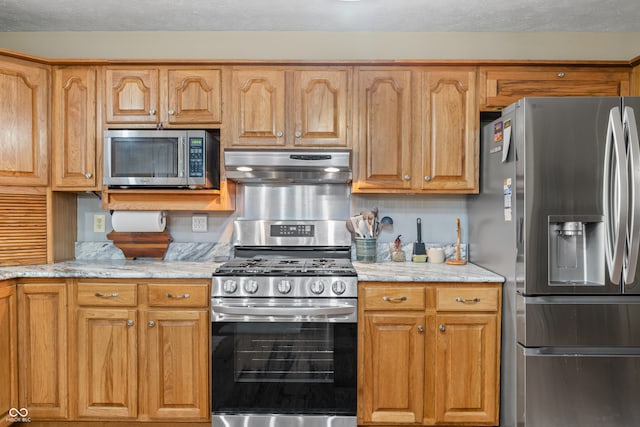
x,y
284,311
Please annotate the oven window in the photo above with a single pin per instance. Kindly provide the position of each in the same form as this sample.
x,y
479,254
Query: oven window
x,y
307,368
136,157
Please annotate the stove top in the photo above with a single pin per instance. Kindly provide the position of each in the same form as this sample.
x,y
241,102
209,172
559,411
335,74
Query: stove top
x,y
287,267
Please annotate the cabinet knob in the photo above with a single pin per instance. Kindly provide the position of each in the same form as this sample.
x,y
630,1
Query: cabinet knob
x,y
151,323
298,134
420,328
171,112
279,134
560,74
407,177
152,112
130,322
427,178
442,328
88,175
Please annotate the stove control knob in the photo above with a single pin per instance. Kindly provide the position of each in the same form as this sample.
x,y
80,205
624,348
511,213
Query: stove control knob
x,y
317,287
229,286
251,286
284,286
339,287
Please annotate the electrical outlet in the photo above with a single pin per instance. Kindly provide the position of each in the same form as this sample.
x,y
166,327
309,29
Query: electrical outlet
x,y
98,223
199,223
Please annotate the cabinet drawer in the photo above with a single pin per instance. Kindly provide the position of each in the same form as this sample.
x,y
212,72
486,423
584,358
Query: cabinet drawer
x,y
467,299
394,298
171,295
107,294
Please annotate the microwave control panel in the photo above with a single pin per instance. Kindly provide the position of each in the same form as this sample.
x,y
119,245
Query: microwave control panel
x,y
196,157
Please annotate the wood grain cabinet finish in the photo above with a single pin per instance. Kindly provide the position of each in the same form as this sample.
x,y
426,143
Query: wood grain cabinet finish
x,y
75,149
429,354
142,353
278,107
503,85
8,350
24,115
171,96
43,351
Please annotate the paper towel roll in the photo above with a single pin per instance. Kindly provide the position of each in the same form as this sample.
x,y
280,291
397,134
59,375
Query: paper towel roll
x,y
138,221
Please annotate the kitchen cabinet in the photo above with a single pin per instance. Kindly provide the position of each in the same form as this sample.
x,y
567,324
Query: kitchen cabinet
x,y
76,151
8,350
43,352
417,130
24,114
290,107
429,352
500,86
168,96
142,349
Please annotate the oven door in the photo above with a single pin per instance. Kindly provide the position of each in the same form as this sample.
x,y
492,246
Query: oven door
x,y
267,365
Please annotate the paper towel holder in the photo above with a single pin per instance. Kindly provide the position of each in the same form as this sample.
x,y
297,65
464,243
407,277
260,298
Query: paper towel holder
x,y
141,244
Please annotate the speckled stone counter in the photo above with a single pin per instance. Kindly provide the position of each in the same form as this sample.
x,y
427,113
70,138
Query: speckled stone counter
x,y
423,272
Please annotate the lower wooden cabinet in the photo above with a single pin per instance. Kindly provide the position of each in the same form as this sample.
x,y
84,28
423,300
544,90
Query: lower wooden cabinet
x,y
429,353
8,351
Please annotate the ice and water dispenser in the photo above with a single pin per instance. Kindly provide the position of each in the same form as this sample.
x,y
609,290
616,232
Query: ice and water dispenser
x,y
576,250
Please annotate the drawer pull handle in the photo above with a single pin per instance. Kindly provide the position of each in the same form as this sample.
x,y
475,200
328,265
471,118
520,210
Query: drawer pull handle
x,y
111,295
468,301
394,299
183,296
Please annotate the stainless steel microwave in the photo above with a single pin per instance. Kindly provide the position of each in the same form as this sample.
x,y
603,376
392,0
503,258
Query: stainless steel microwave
x,y
162,158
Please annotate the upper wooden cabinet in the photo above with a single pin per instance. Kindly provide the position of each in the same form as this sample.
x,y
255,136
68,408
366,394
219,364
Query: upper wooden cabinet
x,y
168,96
24,123
417,130
76,152
290,108
503,85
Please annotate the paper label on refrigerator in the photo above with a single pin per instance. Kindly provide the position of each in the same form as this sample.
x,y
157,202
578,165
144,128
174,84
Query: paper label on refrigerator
x,y
507,196
506,140
497,138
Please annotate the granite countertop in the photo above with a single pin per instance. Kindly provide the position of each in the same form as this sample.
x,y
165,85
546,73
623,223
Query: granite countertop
x,y
380,272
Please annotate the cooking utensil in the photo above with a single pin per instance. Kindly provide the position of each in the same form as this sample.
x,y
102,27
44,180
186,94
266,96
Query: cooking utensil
x,y
419,247
351,228
355,223
457,260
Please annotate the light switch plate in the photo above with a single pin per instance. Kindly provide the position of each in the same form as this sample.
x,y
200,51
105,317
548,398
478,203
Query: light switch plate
x,y
98,223
199,223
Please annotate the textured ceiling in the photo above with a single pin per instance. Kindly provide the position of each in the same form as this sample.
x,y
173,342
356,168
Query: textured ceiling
x,y
321,15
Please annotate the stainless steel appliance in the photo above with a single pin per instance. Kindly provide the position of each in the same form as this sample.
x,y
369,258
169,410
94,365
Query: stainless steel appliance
x,y
284,309
162,158
557,216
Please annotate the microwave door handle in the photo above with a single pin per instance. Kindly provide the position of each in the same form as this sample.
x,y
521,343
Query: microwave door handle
x,y
633,158
181,153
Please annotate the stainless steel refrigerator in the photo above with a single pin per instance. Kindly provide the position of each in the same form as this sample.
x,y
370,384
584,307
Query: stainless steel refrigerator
x,y
558,215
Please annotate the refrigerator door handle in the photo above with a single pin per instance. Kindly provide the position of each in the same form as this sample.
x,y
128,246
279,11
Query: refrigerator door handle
x,y
615,196
630,129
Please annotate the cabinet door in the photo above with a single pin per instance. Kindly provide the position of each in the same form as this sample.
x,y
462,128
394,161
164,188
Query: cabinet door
x,y
177,344
384,129
42,309
258,107
320,108
107,363
392,376
194,96
467,368
131,96
24,152
450,126
8,351
75,159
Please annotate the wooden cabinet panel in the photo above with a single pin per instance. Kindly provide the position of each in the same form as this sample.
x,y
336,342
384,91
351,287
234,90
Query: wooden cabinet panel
x,y
74,129
178,364
107,363
194,96
42,309
450,120
169,295
24,114
467,299
384,111
501,86
8,350
393,298
467,373
393,368
131,95
107,294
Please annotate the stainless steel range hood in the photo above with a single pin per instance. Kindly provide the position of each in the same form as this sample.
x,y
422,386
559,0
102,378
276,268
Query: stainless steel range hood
x,y
288,166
